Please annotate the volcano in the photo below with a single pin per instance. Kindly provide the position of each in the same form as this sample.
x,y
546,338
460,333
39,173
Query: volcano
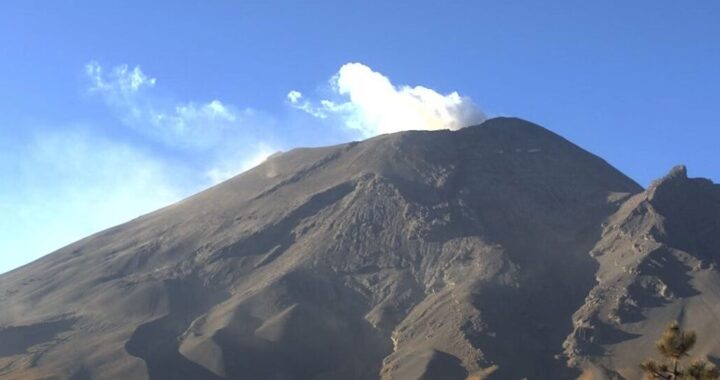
x,y
499,251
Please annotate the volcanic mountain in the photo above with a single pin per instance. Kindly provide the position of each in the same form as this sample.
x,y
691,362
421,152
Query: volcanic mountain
x,y
498,251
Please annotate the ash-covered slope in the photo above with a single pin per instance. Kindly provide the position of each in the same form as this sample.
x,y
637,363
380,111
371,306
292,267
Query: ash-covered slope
x,y
416,255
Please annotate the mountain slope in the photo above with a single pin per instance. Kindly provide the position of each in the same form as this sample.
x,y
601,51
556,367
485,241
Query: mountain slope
x,y
416,255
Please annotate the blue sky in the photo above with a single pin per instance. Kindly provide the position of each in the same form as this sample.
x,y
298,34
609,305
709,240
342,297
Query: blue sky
x,y
109,110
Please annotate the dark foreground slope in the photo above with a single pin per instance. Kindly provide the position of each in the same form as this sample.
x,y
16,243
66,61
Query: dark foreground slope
x,y
500,248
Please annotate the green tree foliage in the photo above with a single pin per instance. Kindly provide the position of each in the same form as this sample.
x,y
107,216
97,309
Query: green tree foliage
x,y
674,345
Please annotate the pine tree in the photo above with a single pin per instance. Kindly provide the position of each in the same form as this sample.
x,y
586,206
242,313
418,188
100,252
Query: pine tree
x,y
674,345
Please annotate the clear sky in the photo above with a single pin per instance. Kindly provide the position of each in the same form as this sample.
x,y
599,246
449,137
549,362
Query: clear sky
x,y
109,110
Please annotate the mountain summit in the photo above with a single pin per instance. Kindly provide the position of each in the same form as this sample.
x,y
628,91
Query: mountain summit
x,y
500,250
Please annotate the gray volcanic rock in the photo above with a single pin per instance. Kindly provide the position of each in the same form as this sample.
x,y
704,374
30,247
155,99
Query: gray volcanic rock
x,y
499,250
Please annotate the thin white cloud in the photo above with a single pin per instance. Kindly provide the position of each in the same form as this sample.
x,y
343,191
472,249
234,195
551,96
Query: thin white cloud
x,y
195,124
62,186
371,104
71,184
296,100
120,81
192,122
223,130
227,135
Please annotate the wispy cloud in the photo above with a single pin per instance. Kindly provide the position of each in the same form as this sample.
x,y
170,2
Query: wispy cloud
x,y
121,81
223,136
188,123
368,102
72,183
